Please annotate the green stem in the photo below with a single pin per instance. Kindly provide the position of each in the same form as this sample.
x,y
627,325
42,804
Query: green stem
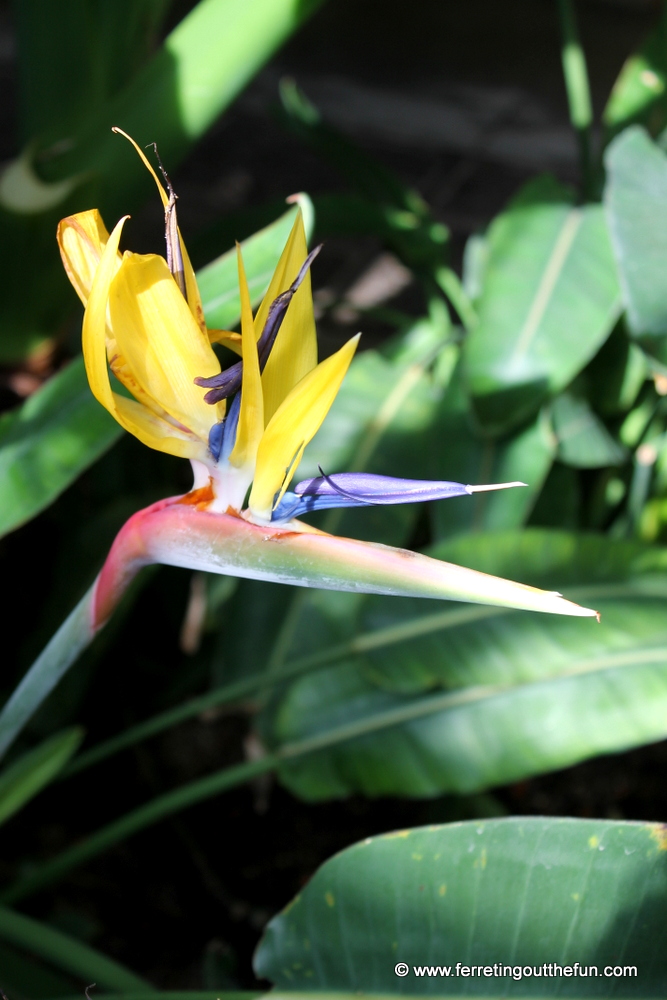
x,y
59,654
139,819
180,995
71,956
239,690
448,281
578,91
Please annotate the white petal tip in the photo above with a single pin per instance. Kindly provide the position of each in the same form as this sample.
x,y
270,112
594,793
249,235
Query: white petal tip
x,y
493,486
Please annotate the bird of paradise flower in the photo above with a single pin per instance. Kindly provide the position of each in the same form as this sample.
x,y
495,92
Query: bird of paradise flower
x,y
144,324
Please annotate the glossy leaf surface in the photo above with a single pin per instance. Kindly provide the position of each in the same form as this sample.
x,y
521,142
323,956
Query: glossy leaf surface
x,y
218,281
512,892
550,298
636,201
467,456
440,700
583,440
45,444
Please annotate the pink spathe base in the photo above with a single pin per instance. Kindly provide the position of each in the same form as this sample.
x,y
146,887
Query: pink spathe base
x,y
176,532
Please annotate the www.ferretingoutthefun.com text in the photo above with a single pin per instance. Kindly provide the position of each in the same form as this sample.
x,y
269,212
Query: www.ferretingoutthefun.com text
x,y
499,970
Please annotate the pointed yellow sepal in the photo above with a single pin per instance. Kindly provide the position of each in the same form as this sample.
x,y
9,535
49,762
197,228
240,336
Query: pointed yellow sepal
x,y
293,425
294,353
251,416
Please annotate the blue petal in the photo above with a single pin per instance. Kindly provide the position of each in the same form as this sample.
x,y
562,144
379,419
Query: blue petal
x,y
361,489
222,436
364,489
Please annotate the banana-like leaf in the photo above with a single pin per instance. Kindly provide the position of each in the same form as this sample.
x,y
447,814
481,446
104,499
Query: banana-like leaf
x,y
550,299
171,99
218,281
583,440
636,201
466,456
438,700
527,907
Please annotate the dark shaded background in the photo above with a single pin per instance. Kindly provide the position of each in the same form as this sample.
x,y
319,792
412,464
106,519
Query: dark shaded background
x,y
465,102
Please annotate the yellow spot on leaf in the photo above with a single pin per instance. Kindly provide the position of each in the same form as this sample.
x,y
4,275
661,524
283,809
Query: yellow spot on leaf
x,y
442,890
329,897
292,903
659,834
483,858
575,897
396,833
417,857
652,81
593,842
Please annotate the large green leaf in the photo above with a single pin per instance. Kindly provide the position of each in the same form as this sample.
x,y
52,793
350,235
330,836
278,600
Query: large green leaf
x,y
74,57
464,455
496,895
640,92
48,442
636,200
583,440
172,99
201,67
550,298
218,281
428,700
25,777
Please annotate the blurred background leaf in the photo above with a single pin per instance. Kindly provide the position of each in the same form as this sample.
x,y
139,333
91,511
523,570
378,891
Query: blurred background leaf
x,y
549,300
522,693
636,200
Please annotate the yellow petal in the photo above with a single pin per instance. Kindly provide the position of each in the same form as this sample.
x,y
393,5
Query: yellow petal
x,y
150,428
294,353
227,338
82,239
160,342
251,416
292,427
